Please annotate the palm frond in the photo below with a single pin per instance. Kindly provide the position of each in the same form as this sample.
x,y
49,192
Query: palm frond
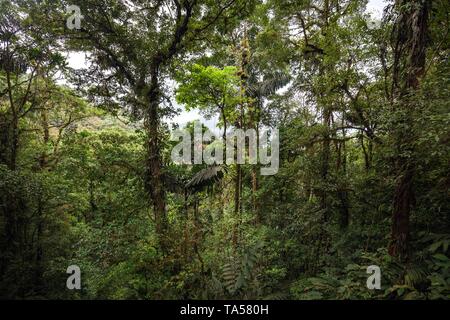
x,y
205,177
269,85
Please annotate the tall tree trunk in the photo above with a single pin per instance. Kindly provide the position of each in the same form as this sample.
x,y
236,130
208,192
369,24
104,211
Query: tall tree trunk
x,y
244,56
14,143
39,270
224,134
13,131
410,34
326,119
344,218
254,124
4,139
325,163
154,174
255,187
43,159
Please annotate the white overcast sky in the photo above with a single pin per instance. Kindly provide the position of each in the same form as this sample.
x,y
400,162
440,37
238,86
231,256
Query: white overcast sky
x,y
76,60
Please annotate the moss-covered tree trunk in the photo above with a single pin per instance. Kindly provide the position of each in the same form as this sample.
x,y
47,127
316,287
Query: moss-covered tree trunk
x,y
410,33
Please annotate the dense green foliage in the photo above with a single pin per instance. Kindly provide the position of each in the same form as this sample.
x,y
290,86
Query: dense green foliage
x,y
86,176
